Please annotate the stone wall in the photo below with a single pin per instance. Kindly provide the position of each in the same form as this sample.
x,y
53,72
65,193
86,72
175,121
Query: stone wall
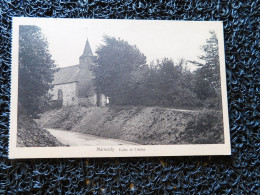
x,y
88,102
92,101
69,93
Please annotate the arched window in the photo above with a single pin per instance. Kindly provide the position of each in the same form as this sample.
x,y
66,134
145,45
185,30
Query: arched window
x,y
60,94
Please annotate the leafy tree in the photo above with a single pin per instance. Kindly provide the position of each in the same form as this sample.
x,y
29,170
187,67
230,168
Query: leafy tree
x,y
174,85
116,63
202,86
36,69
167,84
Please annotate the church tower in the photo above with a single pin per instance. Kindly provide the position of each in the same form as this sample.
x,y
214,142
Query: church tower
x,y
86,58
86,86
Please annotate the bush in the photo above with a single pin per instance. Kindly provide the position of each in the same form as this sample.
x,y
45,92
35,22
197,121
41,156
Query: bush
x,y
205,128
30,134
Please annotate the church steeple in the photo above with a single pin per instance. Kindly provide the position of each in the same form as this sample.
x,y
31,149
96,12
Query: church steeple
x,y
86,58
87,50
85,76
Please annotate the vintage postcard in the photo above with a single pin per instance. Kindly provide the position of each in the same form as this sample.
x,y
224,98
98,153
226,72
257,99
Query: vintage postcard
x,y
117,88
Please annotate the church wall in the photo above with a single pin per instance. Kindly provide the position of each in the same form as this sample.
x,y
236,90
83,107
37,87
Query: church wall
x,y
69,93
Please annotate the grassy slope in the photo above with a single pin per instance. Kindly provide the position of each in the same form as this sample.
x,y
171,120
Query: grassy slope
x,y
29,134
144,125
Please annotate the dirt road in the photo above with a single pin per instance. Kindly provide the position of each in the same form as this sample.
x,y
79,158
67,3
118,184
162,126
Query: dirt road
x,y
80,139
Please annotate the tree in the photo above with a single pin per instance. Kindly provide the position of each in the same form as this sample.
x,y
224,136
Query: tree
x,y
210,67
174,84
207,77
167,84
36,70
116,63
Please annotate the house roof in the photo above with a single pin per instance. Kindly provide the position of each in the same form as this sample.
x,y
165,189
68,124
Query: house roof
x,y
67,75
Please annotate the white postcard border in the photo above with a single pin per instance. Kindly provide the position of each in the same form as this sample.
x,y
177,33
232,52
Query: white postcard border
x,y
112,151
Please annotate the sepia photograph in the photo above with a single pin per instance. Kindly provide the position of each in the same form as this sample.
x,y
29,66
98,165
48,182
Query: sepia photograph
x,y
117,88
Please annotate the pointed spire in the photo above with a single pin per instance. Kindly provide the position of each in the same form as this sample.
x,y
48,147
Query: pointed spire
x,y
87,50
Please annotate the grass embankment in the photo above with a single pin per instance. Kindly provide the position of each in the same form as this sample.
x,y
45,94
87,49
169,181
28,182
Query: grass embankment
x,y
29,134
144,125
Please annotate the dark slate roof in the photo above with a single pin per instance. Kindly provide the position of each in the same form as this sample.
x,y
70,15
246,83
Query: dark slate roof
x,y
66,75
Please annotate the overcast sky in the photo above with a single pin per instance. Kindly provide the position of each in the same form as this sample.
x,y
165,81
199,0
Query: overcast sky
x,y
156,39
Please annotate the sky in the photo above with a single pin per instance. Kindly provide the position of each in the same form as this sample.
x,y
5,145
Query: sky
x,y
156,39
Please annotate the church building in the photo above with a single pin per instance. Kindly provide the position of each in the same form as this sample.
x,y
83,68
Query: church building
x,y
74,85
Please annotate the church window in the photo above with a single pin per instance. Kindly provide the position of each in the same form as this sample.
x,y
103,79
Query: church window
x,y
60,94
